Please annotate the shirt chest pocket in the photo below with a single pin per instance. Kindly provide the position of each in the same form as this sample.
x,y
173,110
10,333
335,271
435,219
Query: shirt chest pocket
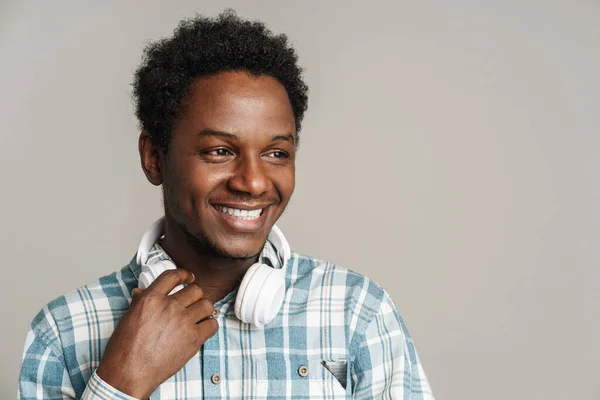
x,y
300,377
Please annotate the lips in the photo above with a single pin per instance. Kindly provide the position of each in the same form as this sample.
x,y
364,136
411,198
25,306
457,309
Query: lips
x,y
242,218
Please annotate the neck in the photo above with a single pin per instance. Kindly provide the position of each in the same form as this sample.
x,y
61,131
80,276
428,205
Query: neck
x,y
215,275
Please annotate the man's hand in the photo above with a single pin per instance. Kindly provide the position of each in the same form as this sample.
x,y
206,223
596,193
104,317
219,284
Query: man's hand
x,y
158,335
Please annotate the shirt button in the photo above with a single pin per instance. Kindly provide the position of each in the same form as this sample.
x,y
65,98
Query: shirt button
x,y
215,313
216,379
303,370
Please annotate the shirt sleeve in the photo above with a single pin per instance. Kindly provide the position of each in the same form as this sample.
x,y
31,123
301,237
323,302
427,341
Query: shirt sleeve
x,y
44,377
386,364
97,389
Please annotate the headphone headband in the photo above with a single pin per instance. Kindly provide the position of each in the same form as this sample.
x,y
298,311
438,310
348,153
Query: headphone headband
x,y
151,236
281,244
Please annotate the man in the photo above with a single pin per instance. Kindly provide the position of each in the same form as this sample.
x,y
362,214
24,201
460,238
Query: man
x,y
220,106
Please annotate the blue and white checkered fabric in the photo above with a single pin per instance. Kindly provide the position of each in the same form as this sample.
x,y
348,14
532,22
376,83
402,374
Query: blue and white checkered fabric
x,y
337,336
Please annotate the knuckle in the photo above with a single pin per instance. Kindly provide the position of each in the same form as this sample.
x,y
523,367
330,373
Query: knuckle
x,y
196,291
208,328
148,300
169,274
212,326
174,307
206,306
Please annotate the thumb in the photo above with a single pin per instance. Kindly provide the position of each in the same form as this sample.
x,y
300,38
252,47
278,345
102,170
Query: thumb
x,y
136,293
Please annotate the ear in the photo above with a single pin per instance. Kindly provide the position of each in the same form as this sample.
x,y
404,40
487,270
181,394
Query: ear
x,y
150,158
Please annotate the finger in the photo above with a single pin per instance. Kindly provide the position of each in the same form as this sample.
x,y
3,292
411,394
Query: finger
x,y
188,295
205,330
135,294
200,310
170,279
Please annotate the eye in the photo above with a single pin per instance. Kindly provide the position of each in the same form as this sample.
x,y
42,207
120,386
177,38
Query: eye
x,y
217,155
219,152
278,154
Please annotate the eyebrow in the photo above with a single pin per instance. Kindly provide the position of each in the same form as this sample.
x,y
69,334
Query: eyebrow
x,y
212,132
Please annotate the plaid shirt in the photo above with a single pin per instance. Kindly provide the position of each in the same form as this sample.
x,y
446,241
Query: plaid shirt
x,y
337,336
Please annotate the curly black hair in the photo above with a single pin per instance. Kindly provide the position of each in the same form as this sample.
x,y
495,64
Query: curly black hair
x,y
204,46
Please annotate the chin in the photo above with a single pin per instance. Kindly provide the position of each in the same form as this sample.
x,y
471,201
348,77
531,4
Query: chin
x,y
228,247
235,253
238,249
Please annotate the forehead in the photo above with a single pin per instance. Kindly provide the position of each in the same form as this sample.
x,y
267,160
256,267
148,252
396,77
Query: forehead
x,y
238,102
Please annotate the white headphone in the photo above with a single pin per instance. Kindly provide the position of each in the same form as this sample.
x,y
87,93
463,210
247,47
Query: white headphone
x,y
261,292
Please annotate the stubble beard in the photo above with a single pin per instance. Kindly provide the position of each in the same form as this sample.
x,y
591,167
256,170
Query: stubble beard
x,y
201,241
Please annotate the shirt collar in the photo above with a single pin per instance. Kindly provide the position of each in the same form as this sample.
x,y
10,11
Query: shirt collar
x,y
268,256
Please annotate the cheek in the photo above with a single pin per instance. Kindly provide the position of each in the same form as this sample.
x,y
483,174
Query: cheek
x,y
286,183
190,182
199,183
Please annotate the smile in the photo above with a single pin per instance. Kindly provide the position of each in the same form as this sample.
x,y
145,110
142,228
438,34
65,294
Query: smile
x,y
245,215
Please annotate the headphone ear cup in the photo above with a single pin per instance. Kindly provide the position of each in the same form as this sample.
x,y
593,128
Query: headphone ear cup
x,y
260,295
241,299
270,298
149,274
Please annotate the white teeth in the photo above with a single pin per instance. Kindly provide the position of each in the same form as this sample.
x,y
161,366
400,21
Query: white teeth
x,y
246,215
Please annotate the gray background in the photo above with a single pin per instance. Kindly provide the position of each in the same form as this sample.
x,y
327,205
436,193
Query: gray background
x,y
450,152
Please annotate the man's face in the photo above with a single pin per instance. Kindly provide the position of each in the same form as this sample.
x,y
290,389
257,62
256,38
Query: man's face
x,y
230,169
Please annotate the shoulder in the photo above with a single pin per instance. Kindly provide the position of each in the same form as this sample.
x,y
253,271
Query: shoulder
x,y
66,319
336,286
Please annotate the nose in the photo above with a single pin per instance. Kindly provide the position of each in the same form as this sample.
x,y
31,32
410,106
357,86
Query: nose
x,y
250,177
